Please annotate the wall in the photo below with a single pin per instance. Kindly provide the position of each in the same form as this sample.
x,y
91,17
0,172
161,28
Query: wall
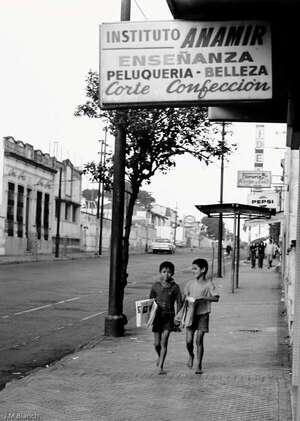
x,y
90,232
288,233
140,235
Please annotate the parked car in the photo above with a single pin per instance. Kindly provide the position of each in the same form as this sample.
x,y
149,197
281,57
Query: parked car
x,y
163,245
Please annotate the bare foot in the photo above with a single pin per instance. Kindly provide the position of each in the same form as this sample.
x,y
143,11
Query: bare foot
x,y
199,371
190,361
162,371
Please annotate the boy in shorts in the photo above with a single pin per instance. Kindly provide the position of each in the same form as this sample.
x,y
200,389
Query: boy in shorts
x,y
199,292
166,293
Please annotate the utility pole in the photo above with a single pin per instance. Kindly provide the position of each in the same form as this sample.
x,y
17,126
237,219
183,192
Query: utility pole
x,y
57,238
100,178
114,321
148,214
102,195
175,225
220,236
238,251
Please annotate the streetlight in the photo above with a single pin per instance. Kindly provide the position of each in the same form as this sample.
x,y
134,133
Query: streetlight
x,y
220,236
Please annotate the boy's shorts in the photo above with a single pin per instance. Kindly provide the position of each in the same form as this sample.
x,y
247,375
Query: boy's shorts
x,y
201,322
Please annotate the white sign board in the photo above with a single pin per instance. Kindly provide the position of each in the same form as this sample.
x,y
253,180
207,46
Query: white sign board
x,y
189,220
184,62
266,199
252,179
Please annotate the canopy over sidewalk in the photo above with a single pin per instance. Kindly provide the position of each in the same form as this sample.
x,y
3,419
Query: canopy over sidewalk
x,y
229,210
236,211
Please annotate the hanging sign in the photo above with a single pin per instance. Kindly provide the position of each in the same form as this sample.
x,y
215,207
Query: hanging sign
x,y
265,199
183,62
252,179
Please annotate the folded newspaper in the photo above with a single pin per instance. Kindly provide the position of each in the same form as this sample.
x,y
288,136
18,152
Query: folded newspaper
x,y
145,312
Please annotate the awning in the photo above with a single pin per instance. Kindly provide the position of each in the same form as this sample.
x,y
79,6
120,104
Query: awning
x,y
279,217
229,210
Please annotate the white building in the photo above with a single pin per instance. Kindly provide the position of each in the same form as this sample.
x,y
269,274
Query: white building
x,y
29,187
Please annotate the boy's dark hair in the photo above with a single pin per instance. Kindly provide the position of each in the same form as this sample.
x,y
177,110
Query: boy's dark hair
x,y
203,264
167,265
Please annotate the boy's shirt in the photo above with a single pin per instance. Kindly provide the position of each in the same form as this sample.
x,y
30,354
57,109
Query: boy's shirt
x,y
196,290
166,297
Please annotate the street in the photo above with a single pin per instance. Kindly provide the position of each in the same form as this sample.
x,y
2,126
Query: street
x,y
50,309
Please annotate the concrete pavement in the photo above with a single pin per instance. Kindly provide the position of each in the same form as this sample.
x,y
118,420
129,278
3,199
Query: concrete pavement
x,y
30,257
246,369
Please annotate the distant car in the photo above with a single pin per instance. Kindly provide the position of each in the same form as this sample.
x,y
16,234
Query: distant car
x,y
163,245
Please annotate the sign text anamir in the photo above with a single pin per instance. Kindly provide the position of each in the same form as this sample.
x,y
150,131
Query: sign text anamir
x,y
182,62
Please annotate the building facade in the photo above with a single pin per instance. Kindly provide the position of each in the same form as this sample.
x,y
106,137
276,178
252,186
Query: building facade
x,y
29,202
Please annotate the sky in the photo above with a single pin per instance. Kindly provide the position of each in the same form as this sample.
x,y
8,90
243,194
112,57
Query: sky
x,y
47,47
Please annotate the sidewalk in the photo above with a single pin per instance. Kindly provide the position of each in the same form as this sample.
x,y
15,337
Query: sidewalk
x,y
246,369
15,259
76,255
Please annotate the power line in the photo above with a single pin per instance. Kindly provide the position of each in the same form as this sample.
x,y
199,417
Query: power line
x,y
140,9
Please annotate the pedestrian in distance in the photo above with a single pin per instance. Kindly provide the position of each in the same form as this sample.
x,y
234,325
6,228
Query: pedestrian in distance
x,y
199,294
167,295
228,249
270,250
253,252
261,253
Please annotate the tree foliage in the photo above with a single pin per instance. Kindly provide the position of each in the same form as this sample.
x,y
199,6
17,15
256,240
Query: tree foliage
x,y
154,137
145,199
212,227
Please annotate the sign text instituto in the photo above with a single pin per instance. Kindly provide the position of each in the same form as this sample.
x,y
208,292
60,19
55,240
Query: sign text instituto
x,y
175,62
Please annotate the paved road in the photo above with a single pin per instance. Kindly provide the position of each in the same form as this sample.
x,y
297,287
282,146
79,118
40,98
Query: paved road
x,y
50,309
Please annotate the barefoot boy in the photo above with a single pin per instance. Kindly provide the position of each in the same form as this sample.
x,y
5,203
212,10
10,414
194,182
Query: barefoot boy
x,y
166,293
199,292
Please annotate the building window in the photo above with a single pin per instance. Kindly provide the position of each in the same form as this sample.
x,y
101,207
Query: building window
x,y
74,215
10,209
38,215
67,211
68,181
20,211
46,216
27,212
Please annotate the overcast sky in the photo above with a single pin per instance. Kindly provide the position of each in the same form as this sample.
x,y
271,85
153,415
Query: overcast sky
x,y
47,48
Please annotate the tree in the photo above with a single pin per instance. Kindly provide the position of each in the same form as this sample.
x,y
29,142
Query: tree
x,y
145,199
155,136
213,227
90,194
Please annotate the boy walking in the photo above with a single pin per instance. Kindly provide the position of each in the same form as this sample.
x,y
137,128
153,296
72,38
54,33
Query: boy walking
x,y
166,294
270,250
199,292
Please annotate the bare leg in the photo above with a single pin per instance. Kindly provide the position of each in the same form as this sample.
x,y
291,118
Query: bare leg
x,y
200,350
164,348
157,345
190,346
